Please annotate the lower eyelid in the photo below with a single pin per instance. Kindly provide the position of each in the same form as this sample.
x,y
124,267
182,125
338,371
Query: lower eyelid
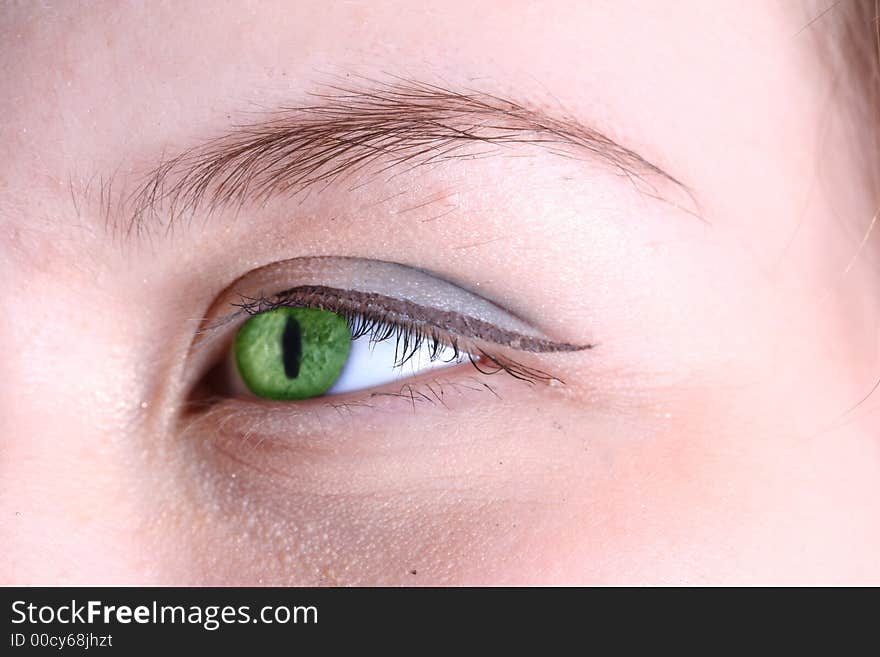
x,y
266,425
428,386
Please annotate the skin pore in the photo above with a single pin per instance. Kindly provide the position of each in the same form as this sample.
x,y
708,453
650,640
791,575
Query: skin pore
x,y
720,262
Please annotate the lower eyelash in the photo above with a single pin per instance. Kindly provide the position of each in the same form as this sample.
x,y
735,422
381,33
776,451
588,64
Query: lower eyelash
x,y
489,364
409,339
431,392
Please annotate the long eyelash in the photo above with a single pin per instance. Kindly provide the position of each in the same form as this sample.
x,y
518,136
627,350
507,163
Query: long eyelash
x,y
409,337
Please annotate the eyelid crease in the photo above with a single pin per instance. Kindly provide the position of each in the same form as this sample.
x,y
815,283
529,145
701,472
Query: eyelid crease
x,y
402,311
390,279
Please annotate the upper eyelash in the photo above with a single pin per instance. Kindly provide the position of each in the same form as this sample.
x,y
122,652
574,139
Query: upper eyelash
x,y
384,318
401,311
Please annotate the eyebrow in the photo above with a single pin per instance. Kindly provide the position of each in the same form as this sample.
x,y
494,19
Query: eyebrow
x,y
399,125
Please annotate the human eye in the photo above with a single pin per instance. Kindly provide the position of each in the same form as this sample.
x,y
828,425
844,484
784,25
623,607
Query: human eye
x,y
296,352
343,327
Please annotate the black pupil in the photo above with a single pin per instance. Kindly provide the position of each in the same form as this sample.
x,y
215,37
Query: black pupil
x,y
291,347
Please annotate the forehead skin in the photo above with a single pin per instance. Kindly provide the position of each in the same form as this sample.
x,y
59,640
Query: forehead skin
x,y
709,438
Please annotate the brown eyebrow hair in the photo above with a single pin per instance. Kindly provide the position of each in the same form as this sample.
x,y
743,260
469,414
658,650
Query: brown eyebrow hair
x,y
403,123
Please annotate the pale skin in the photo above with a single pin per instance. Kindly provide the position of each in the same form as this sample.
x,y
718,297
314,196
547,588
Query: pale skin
x,y
720,431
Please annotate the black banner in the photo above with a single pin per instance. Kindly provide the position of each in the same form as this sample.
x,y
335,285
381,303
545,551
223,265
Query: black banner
x,y
104,620
135,620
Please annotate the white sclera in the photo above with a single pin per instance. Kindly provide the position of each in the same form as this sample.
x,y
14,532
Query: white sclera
x,y
373,364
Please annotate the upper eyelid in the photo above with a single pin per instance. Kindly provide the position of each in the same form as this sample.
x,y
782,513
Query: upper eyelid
x,y
402,311
393,280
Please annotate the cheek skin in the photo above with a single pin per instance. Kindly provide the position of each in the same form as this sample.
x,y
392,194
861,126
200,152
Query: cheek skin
x,y
708,485
439,490
71,478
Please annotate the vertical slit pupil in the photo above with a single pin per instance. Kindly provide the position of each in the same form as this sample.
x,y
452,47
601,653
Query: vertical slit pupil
x,y
291,347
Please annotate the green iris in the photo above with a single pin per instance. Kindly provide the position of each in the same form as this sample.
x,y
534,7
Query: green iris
x,y
292,353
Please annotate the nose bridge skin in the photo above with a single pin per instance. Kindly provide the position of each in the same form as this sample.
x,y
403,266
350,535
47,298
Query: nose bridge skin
x,y
69,491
